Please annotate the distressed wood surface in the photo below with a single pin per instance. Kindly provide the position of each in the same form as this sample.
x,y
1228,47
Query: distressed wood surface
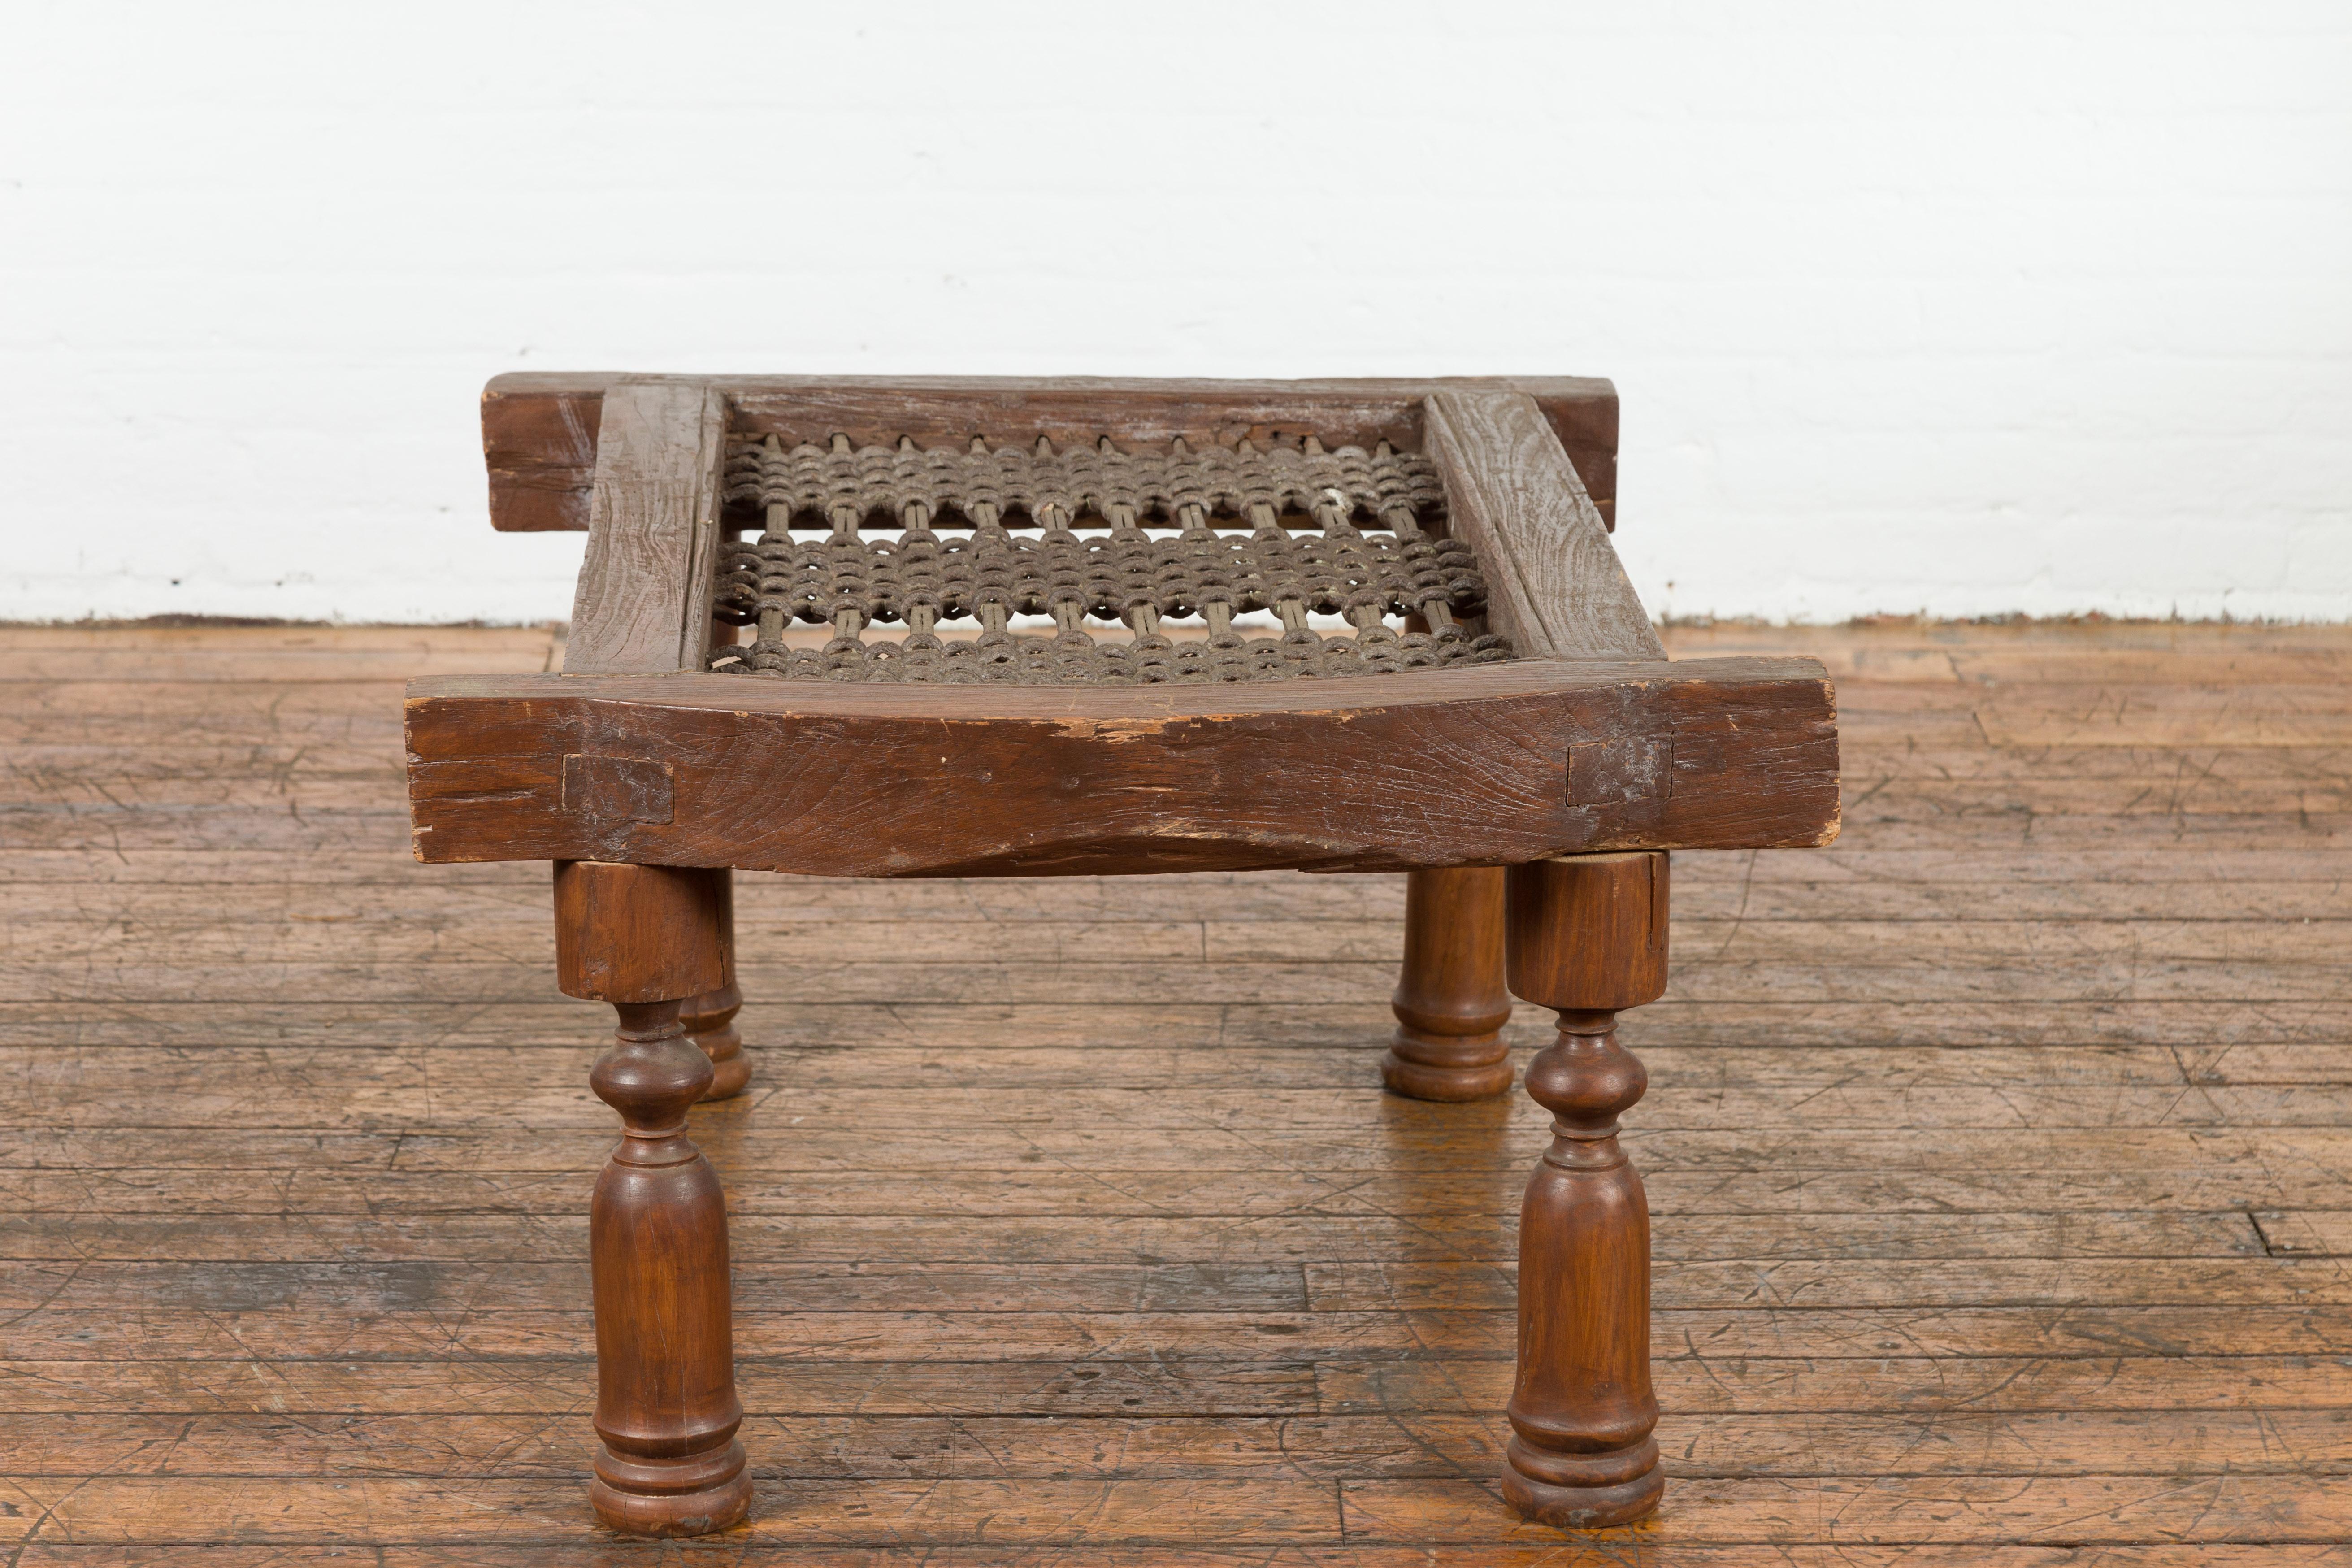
x,y
642,605
1997,1155
1554,585
859,781
539,430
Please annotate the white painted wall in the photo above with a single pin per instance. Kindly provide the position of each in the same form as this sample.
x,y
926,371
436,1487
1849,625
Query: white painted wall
x,y
2012,306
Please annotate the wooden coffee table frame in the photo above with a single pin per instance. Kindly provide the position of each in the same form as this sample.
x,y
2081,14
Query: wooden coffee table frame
x,y
1533,803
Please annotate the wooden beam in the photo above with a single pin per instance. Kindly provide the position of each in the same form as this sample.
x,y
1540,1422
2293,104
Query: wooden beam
x,y
539,443
539,430
1488,766
643,603
1554,585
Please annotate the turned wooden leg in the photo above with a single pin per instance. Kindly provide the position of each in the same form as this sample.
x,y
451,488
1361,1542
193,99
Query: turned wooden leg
x,y
644,938
1588,937
1449,1003
710,1021
710,1018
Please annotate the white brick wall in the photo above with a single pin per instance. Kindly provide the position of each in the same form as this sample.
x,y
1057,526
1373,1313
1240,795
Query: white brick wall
x,y
1967,309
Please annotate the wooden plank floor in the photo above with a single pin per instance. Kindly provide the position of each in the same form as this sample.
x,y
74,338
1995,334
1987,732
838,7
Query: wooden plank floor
x,y
2001,1157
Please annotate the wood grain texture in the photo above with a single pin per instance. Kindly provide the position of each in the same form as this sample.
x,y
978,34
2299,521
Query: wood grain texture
x,y
1586,937
1449,1003
1997,1156
640,933
646,938
709,1015
1565,915
642,605
1539,759
669,1463
539,443
539,430
1437,1444
1554,585
532,1538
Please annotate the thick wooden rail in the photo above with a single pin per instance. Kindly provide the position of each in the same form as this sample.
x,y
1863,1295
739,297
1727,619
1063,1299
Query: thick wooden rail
x,y
642,605
539,431
1492,764
1555,587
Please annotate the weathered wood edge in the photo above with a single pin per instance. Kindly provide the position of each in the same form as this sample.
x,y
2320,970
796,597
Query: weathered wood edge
x,y
989,703
641,605
1555,586
1481,766
539,428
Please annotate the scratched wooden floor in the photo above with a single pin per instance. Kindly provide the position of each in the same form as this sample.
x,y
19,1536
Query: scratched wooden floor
x,y
2001,1157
